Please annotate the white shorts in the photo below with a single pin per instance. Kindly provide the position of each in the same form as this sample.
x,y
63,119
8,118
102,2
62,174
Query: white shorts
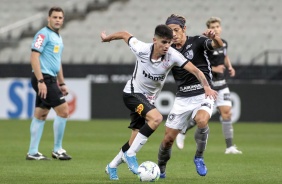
x,y
185,108
223,98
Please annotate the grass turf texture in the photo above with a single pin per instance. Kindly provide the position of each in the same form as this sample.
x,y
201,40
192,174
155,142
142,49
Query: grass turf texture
x,y
93,144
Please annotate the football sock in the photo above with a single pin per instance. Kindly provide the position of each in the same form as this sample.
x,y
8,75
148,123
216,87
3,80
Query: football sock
x,y
117,160
227,129
163,156
137,144
125,147
59,129
201,137
36,130
141,138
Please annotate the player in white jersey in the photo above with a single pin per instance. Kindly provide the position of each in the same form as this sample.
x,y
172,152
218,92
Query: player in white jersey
x,y
153,63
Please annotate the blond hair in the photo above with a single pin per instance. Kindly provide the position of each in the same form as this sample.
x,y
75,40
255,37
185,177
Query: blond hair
x,y
213,20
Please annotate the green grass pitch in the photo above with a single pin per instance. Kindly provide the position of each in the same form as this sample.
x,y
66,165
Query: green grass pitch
x,y
93,144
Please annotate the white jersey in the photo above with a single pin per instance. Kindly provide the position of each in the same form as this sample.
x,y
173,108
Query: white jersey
x,y
149,76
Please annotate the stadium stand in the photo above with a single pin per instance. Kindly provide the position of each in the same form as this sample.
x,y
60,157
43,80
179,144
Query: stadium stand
x,y
252,28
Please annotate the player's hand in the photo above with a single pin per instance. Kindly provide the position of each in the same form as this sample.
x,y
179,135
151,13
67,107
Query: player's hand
x,y
64,90
231,71
42,90
104,37
212,94
209,33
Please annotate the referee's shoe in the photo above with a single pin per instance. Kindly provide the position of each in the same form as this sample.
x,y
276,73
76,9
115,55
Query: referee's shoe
x,y
61,154
37,156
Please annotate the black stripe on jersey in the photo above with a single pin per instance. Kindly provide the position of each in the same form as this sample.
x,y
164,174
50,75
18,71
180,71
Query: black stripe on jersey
x,y
134,76
129,39
182,66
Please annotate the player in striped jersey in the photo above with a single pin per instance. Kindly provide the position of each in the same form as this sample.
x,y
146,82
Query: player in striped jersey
x,y
153,63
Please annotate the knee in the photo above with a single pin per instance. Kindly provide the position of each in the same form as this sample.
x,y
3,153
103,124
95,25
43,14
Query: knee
x,y
63,114
157,119
226,115
168,141
41,116
201,122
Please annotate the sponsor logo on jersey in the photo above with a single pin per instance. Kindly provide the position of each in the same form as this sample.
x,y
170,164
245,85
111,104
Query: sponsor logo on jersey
x,y
142,53
190,88
39,40
140,108
206,104
189,54
154,77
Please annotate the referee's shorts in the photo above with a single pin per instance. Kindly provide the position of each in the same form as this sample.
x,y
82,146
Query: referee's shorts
x,y
54,96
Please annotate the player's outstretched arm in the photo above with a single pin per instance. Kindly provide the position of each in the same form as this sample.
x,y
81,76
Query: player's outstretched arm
x,y
216,40
115,36
201,77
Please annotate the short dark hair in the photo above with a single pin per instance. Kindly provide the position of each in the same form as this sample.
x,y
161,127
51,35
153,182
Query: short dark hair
x,y
56,9
164,31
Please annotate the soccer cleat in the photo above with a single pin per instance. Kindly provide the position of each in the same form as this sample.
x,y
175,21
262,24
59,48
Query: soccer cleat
x,y
200,166
180,140
232,150
61,154
163,175
37,156
112,172
132,163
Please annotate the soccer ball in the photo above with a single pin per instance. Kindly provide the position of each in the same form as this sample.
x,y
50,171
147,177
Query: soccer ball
x,y
148,171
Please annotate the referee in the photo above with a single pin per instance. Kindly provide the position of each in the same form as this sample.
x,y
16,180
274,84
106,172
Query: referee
x,y
48,82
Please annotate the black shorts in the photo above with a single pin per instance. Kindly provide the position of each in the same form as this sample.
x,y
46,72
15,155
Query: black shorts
x,y
54,96
139,106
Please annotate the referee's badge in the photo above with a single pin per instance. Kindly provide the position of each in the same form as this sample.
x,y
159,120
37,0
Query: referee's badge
x,y
56,48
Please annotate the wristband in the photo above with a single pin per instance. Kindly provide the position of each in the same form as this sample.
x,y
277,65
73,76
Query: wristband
x,y
41,80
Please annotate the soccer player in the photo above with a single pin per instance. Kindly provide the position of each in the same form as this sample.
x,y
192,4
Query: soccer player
x,y
191,101
219,61
48,82
153,63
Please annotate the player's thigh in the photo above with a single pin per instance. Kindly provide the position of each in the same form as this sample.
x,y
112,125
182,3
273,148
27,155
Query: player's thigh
x,y
62,110
137,102
223,98
203,112
180,113
139,107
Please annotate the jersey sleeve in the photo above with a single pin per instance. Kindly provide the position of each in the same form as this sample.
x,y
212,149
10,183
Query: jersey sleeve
x,y
39,41
205,42
179,59
137,46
